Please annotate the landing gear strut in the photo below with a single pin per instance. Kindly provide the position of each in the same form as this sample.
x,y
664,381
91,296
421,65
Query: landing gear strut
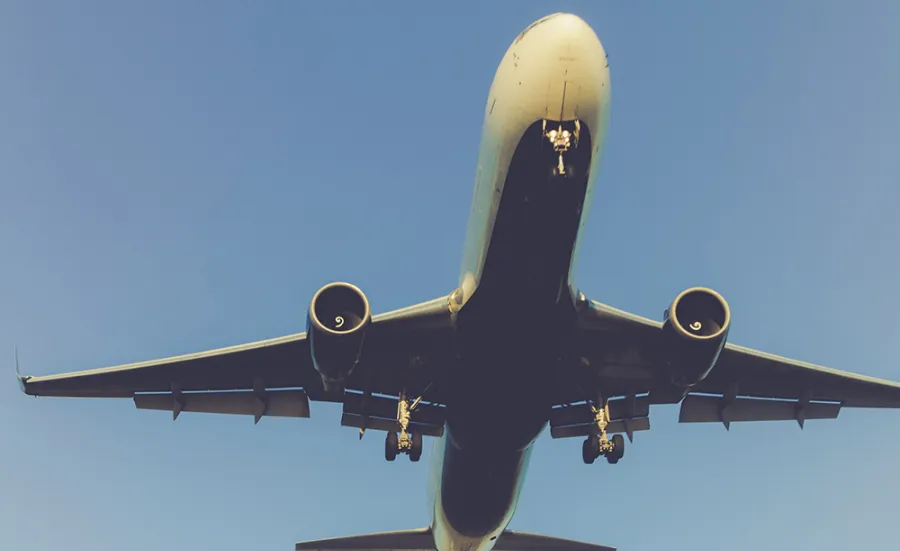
x,y
598,444
405,442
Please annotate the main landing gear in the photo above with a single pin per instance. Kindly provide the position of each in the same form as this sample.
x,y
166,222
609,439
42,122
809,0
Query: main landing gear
x,y
405,442
598,444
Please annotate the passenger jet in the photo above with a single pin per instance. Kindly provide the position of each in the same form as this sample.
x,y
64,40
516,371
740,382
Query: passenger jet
x,y
516,346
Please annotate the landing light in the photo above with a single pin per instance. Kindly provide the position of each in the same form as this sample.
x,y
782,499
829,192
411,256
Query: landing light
x,y
562,139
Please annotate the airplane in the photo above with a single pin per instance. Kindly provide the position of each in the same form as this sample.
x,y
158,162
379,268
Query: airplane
x,y
515,347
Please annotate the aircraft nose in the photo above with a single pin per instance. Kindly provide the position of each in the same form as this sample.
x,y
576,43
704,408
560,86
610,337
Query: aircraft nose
x,y
560,24
556,68
564,37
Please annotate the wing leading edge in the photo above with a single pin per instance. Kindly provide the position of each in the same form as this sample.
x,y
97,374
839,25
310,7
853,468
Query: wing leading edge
x,y
623,355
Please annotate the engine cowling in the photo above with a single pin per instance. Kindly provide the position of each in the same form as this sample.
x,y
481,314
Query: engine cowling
x,y
336,325
696,326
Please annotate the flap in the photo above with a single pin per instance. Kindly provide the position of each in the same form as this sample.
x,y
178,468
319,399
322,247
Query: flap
x,y
380,413
389,425
623,426
716,409
425,413
619,408
271,403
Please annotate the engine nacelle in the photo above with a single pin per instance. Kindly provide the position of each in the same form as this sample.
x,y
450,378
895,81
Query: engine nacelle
x,y
696,326
336,325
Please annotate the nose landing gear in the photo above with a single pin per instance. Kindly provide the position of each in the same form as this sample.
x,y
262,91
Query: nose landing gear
x,y
405,442
562,139
598,444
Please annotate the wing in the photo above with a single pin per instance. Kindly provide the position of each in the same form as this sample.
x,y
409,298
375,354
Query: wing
x,y
404,349
621,354
422,540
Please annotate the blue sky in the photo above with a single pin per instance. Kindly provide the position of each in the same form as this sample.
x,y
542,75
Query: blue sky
x,y
177,177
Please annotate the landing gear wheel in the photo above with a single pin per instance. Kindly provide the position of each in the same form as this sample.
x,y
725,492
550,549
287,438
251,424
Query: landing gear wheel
x,y
415,451
391,447
618,451
556,174
589,450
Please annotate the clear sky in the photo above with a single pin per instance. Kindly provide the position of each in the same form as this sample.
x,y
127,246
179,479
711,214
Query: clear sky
x,y
181,176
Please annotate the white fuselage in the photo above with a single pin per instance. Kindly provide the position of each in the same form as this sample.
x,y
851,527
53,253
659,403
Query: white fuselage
x,y
555,70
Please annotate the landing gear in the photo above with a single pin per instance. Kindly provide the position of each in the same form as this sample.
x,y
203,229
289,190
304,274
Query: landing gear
x,y
405,442
598,444
562,171
561,140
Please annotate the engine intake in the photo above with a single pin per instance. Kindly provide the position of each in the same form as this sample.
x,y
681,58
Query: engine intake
x,y
697,325
339,315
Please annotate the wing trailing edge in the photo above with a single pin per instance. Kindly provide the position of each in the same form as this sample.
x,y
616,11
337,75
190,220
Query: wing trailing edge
x,y
696,408
268,403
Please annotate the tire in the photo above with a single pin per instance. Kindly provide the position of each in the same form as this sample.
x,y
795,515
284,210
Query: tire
x,y
416,452
588,451
619,446
390,446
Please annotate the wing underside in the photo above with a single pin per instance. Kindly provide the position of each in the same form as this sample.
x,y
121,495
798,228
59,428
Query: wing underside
x,y
405,351
619,355
409,350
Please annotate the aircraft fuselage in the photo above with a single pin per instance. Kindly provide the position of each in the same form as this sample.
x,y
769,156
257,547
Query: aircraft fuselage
x,y
532,187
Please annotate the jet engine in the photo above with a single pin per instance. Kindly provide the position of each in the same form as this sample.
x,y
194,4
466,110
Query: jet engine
x,y
696,326
336,324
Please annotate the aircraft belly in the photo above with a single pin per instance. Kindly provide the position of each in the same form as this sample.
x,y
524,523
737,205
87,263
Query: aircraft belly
x,y
529,251
477,496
